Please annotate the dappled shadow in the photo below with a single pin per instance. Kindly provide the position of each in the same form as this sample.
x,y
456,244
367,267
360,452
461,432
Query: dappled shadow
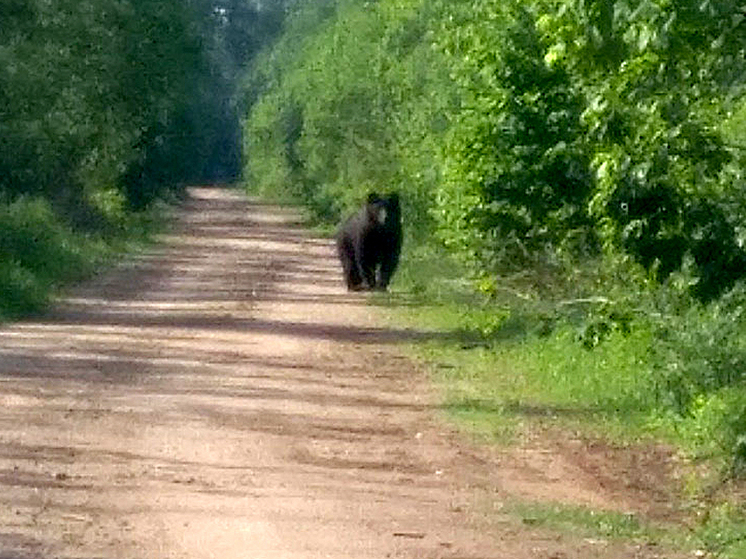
x,y
20,546
219,263
137,325
308,383
216,322
135,328
226,365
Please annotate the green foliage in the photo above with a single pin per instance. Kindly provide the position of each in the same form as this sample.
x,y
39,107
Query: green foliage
x,y
523,135
700,358
33,237
38,253
340,108
516,180
585,521
702,350
128,96
106,106
722,533
658,78
22,292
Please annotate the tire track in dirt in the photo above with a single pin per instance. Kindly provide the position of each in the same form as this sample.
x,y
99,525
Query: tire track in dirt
x,y
222,396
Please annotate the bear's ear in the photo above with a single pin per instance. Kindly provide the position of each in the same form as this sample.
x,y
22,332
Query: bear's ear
x,y
373,197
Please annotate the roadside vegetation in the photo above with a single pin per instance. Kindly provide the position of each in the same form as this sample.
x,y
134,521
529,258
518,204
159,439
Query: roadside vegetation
x,y
573,198
105,108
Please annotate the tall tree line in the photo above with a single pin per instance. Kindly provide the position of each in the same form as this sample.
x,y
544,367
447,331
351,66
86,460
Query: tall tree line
x,y
106,104
522,133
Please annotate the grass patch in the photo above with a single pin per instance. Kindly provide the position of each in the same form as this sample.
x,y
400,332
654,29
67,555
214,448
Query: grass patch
x,y
719,535
508,365
721,532
589,523
497,364
496,383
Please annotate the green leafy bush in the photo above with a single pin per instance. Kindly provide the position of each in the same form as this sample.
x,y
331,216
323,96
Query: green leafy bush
x,y
38,253
517,180
22,292
33,237
348,106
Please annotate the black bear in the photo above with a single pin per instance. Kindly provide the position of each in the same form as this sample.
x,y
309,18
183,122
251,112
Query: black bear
x,y
369,243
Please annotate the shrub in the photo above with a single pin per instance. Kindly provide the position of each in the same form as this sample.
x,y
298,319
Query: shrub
x,y
38,254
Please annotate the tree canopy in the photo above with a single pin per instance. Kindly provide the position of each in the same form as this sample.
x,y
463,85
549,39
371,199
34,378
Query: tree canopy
x,y
107,103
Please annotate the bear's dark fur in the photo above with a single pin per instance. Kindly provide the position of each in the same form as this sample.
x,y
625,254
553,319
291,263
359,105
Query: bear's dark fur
x,y
369,243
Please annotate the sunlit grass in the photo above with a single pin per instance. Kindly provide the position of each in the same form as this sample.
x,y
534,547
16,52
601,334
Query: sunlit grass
x,y
498,364
503,371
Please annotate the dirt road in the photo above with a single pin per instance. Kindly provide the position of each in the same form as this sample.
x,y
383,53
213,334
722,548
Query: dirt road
x,y
222,396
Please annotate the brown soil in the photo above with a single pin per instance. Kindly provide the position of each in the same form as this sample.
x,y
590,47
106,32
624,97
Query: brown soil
x,y
222,396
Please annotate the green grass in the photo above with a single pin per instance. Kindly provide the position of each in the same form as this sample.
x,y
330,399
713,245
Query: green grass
x,y
498,363
495,383
719,535
589,523
506,366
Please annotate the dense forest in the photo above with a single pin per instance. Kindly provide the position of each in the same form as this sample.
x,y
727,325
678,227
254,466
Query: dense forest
x,y
579,162
107,106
